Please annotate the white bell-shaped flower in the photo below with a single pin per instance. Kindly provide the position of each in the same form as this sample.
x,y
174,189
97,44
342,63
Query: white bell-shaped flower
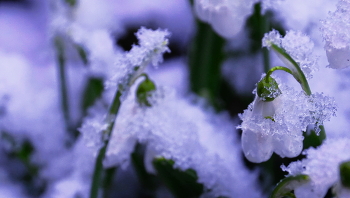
x,y
277,125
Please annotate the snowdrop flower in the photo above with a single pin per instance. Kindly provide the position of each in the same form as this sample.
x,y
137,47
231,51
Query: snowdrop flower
x,y
336,32
322,167
152,45
227,17
277,126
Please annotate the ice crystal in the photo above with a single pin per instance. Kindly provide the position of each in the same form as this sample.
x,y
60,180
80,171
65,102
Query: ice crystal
x,y
298,46
336,32
273,37
277,126
225,16
322,166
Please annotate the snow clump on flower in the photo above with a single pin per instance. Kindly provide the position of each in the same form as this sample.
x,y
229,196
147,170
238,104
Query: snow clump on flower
x,y
277,126
322,166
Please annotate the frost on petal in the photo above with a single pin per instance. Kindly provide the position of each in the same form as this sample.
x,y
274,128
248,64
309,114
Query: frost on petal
x,y
257,147
336,32
225,16
322,166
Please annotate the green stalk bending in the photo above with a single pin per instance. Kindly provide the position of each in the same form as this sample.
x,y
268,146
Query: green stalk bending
x,y
298,74
110,119
268,74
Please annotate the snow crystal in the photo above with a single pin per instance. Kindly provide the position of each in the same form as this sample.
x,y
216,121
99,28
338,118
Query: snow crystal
x,y
322,166
273,37
226,17
277,126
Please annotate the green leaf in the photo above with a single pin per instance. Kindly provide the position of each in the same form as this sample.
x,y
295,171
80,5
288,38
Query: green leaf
x,y
182,184
144,91
345,174
297,73
147,180
92,92
312,139
71,3
82,54
205,58
288,184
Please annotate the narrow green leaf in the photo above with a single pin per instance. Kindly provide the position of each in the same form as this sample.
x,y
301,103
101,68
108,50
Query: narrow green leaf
x,y
82,53
345,173
92,92
148,181
312,139
205,58
71,3
286,185
182,184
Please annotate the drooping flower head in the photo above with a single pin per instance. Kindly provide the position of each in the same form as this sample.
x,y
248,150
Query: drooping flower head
x,y
277,126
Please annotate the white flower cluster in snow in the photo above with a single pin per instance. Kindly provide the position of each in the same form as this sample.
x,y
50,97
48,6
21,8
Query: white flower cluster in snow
x,y
322,166
227,17
152,45
277,126
175,129
298,46
336,32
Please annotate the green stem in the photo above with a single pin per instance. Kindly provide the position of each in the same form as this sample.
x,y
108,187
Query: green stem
x,y
110,119
265,26
298,75
62,80
268,74
108,181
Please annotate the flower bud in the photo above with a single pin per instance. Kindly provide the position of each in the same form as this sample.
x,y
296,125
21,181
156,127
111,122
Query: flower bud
x,y
267,89
144,91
